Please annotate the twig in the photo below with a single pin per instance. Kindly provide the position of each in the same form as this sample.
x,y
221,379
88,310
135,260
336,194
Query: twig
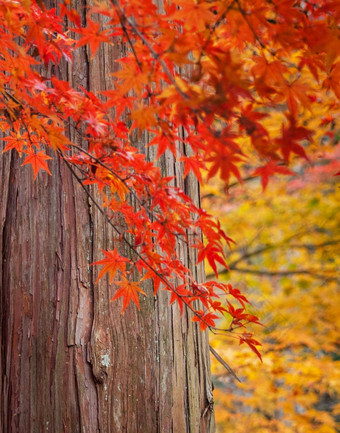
x,y
225,365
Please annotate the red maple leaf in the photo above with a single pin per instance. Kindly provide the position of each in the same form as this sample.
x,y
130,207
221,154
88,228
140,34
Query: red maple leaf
x,y
247,338
179,294
193,163
289,142
38,161
224,161
233,291
213,254
205,320
112,263
71,14
269,170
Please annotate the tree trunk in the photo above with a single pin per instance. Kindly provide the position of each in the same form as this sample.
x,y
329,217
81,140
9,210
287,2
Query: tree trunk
x,y
70,362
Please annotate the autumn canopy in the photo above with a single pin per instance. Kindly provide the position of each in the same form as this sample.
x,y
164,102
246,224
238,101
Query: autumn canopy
x,y
199,79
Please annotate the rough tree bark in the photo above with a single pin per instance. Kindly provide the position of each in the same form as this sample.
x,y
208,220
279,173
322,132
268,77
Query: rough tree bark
x,y
70,362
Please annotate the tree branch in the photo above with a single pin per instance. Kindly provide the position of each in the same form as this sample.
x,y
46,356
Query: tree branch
x,y
310,272
225,365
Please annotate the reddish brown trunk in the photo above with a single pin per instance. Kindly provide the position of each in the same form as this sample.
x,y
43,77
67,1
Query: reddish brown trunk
x,y
70,362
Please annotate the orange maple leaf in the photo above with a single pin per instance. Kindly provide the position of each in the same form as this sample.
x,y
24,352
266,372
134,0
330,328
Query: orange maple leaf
x,y
38,161
295,93
129,291
144,117
92,35
195,16
130,77
112,263
16,141
333,80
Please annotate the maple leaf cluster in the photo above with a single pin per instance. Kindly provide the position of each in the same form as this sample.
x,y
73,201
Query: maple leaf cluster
x,y
200,77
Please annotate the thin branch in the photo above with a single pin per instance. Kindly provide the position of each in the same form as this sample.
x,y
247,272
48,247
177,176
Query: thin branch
x,y
122,18
251,254
314,246
310,272
283,245
225,365
236,183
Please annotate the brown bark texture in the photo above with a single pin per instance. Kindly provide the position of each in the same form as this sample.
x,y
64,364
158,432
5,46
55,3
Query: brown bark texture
x,y
70,362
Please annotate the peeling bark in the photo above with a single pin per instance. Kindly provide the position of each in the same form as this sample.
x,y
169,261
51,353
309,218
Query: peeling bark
x,y
70,362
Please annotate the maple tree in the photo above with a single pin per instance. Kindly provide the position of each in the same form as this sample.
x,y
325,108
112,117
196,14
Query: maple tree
x,y
201,80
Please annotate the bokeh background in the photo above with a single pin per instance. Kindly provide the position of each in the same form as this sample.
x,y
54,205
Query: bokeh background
x,y
286,261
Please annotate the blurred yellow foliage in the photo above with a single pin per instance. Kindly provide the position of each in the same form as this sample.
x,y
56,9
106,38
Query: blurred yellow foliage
x,y
286,260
